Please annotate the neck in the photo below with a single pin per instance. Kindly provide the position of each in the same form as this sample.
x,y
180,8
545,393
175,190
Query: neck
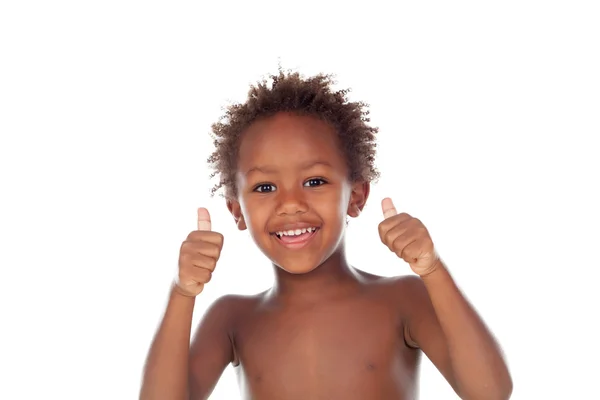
x,y
333,278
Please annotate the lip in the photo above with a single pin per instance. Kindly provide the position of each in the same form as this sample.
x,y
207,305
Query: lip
x,y
297,245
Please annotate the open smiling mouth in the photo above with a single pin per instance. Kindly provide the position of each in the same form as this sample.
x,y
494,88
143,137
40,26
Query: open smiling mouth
x,y
297,238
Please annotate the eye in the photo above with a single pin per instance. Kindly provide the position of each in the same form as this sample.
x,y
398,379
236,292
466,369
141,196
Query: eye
x,y
315,182
264,188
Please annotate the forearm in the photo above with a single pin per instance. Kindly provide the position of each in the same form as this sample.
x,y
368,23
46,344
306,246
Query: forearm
x,y
166,370
478,366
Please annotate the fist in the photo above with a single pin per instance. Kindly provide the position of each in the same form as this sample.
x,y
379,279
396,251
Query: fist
x,y
198,257
408,238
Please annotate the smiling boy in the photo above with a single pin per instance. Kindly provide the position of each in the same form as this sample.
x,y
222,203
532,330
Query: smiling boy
x,y
295,161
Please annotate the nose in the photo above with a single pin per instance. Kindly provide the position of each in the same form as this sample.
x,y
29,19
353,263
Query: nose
x,y
291,202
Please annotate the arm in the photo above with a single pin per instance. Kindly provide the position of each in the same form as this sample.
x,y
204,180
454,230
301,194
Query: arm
x,y
166,369
441,320
172,370
449,331
212,348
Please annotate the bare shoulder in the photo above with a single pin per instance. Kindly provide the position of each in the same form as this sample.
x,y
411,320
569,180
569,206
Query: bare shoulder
x,y
230,302
238,308
234,306
410,293
212,346
219,321
401,287
406,294
409,284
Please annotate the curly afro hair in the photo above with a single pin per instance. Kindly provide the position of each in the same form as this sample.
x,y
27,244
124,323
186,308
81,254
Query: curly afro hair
x,y
291,92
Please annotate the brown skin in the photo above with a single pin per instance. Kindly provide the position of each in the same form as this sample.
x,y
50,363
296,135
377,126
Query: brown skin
x,y
167,366
327,330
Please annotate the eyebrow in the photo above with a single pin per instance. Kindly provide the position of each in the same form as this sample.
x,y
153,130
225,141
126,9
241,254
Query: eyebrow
x,y
266,169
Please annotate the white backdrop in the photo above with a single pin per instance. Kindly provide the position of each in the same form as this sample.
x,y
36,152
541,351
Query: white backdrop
x,y
488,116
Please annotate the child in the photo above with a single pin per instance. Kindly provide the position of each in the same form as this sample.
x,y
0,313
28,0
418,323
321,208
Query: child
x,y
295,160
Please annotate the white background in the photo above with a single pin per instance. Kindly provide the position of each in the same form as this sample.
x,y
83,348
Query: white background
x,y
488,116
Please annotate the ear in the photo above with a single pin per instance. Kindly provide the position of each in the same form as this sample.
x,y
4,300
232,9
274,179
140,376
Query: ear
x,y
358,198
236,210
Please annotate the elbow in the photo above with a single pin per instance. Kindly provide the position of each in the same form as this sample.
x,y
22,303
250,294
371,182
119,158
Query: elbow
x,y
502,389
507,388
504,386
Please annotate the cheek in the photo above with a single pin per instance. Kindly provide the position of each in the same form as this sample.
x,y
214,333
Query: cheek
x,y
256,219
333,206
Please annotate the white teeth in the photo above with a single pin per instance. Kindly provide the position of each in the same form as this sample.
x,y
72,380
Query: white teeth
x,y
295,232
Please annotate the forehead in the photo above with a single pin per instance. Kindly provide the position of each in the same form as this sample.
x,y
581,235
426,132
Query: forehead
x,y
289,139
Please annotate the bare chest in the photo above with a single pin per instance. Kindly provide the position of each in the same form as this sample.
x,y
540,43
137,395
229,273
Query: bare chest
x,y
346,351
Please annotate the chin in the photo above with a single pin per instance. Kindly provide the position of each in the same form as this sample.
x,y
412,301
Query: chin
x,y
298,270
297,267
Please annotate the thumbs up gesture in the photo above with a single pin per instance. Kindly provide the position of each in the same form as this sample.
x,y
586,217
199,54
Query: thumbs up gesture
x,y
198,257
408,238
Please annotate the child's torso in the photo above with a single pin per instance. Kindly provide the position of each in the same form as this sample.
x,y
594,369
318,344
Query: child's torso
x,y
348,349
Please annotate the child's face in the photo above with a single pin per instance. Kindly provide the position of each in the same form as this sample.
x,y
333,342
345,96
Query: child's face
x,y
293,175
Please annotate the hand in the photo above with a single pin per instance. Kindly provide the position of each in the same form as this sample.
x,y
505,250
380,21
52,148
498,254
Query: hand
x,y
198,257
408,238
